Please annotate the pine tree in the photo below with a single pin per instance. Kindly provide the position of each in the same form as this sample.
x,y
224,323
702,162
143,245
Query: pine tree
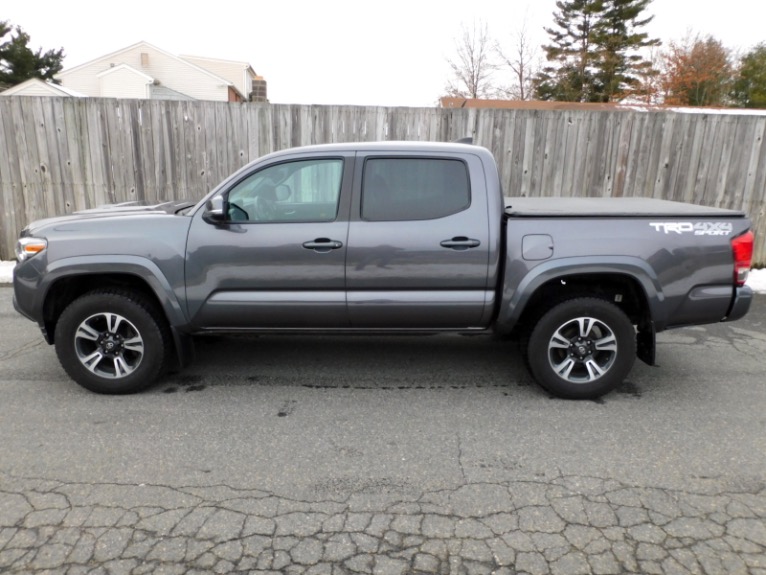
x,y
617,41
594,51
18,62
570,78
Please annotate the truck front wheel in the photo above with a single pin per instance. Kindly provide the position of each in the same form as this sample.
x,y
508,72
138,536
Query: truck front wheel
x,y
582,348
110,342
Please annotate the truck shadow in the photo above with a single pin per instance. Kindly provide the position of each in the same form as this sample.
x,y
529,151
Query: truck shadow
x,y
359,362
377,363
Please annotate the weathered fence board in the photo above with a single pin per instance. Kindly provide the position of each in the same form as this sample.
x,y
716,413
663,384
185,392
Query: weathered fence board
x,y
63,155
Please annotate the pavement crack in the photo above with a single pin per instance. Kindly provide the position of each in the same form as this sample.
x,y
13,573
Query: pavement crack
x,y
460,458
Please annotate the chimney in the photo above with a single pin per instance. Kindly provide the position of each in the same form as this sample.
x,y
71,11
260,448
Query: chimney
x,y
258,90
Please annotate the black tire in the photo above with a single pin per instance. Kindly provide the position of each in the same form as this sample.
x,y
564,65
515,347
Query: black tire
x,y
582,349
112,341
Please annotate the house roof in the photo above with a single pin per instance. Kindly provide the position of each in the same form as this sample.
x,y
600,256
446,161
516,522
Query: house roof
x,y
53,89
244,65
164,93
131,69
143,43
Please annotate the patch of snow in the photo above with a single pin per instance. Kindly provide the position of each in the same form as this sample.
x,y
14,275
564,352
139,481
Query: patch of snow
x,y
6,272
756,279
718,111
637,106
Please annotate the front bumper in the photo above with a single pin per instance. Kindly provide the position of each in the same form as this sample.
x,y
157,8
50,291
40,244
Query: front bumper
x,y
19,309
28,296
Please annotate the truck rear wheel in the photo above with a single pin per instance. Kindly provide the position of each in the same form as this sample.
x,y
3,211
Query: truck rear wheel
x,y
110,342
582,349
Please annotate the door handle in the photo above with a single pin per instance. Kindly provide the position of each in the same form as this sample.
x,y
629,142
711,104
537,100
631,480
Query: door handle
x,y
323,245
460,243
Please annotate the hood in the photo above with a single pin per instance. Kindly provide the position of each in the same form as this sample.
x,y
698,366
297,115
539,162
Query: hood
x,y
171,207
111,211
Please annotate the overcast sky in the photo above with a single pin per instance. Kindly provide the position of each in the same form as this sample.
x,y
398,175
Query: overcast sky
x,y
390,52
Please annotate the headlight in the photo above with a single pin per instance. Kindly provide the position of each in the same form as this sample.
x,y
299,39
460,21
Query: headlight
x,y
28,247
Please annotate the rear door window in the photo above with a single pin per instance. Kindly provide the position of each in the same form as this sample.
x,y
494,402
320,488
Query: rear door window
x,y
399,189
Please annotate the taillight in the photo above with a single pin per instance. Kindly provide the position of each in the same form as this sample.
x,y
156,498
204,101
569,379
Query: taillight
x,y
742,249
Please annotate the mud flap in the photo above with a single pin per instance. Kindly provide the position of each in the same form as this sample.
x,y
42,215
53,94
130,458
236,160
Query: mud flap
x,y
646,343
184,348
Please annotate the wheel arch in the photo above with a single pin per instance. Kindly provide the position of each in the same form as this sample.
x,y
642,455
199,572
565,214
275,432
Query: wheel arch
x,y
69,279
621,289
631,280
558,280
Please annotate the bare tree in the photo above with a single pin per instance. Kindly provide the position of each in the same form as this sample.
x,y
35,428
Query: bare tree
x,y
473,67
649,88
523,62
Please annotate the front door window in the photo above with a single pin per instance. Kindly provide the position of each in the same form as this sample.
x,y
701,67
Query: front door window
x,y
301,191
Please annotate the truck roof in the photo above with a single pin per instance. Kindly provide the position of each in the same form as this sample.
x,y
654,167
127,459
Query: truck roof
x,y
388,146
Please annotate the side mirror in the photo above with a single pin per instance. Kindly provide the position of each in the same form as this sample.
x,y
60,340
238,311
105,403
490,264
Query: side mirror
x,y
214,210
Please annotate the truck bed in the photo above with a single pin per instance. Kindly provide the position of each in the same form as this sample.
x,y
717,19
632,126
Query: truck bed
x,y
561,207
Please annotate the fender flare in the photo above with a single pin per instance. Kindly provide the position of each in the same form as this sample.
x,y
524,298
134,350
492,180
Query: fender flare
x,y
514,301
138,266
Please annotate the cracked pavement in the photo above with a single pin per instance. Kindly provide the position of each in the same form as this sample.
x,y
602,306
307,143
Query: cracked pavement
x,y
386,456
564,525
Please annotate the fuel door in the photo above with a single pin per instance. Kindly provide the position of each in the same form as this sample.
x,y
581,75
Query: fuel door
x,y
536,247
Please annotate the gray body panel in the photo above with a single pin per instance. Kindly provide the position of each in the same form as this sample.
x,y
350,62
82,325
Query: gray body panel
x,y
398,275
687,279
150,245
258,275
394,275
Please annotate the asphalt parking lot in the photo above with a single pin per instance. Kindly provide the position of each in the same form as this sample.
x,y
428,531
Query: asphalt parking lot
x,y
407,455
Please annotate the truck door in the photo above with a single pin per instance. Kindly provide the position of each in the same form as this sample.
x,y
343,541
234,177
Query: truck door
x,y
277,258
418,253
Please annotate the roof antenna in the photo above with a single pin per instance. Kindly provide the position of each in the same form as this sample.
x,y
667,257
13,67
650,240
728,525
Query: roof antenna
x,y
468,140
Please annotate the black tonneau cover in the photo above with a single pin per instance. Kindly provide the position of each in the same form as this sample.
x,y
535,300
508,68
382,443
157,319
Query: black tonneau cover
x,y
558,207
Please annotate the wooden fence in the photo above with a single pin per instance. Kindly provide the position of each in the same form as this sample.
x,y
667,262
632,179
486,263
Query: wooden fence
x,y
59,155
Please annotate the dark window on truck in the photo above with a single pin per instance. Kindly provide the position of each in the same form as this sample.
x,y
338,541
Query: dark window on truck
x,y
299,191
396,189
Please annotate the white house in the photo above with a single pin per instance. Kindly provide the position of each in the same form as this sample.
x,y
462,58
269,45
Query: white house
x,y
241,74
123,81
37,87
147,72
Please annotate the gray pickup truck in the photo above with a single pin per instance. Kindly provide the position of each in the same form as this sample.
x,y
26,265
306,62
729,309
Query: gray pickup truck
x,y
395,237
